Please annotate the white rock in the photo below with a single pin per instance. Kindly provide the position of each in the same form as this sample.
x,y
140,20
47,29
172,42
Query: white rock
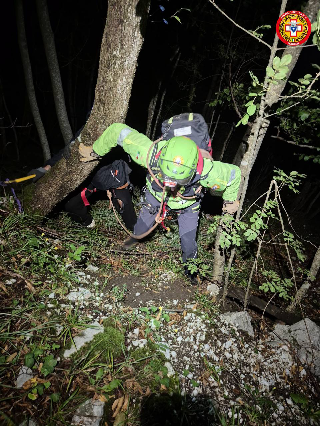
x,y
90,413
25,374
171,371
213,289
29,422
240,320
84,337
81,294
92,268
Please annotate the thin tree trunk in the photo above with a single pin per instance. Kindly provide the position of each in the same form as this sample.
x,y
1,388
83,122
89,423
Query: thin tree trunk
x,y
54,70
301,293
23,46
121,43
163,96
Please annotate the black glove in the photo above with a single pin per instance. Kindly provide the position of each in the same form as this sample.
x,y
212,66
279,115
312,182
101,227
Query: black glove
x,y
39,173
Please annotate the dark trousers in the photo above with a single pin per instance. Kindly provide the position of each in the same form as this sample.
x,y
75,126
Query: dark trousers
x,y
187,221
78,206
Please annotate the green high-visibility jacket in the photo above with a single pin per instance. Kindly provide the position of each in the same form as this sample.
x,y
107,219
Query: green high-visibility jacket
x,y
222,177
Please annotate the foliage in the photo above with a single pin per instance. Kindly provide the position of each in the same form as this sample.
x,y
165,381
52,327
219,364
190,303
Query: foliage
x,y
275,284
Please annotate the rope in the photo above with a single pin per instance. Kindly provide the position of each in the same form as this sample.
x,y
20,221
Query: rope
x,y
158,218
157,180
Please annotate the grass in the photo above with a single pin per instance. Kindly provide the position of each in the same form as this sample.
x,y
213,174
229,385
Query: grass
x,y
45,259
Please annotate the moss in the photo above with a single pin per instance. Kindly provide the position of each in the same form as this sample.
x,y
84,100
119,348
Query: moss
x,y
104,345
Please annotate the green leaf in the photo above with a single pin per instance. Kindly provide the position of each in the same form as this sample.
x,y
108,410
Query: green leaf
x,y
32,396
185,372
245,119
29,360
251,109
298,398
270,72
55,397
286,59
253,94
314,26
100,373
177,18
280,75
47,384
40,388
276,62
166,317
308,76
304,115
283,69
194,383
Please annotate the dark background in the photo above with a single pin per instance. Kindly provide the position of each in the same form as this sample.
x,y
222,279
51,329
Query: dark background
x,y
201,38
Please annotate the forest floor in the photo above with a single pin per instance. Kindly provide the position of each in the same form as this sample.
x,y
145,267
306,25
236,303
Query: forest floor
x,y
163,351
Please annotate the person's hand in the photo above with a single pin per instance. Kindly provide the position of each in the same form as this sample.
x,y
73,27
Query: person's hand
x,y
87,153
39,173
230,207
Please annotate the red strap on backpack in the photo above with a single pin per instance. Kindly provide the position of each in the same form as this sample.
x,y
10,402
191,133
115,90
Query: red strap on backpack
x,y
200,162
83,195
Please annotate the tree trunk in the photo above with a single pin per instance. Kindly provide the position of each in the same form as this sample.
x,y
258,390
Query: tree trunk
x,y
121,44
22,40
54,70
307,283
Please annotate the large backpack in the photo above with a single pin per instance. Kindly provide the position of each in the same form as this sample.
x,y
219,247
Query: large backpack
x,y
190,125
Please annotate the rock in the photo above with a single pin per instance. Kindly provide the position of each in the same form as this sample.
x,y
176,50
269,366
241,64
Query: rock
x,y
25,374
171,371
213,289
241,320
29,422
89,413
82,293
92,268
84,337
306,335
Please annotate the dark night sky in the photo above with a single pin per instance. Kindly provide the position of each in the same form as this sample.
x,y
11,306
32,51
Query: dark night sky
x,y
201,38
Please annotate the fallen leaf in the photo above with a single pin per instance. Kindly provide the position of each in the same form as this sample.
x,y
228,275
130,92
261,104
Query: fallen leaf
x,y
116,406
125,403
102,398
30,286
11,357
3,288
162,387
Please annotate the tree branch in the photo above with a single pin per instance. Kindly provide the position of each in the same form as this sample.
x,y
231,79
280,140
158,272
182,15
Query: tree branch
x,y
237,25
294,143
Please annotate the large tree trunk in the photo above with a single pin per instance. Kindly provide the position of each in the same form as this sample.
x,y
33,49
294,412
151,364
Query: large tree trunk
x,y
23,46
54,70
121,44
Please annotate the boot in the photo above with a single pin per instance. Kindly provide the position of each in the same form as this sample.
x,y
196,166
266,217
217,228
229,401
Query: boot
x,y
194,278
129,243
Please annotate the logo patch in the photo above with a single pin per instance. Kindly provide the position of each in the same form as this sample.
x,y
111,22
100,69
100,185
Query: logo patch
x,y
178,160
293,28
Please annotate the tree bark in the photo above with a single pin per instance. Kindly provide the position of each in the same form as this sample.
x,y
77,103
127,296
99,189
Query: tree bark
x,y
121,44
307,283
23,46
54,70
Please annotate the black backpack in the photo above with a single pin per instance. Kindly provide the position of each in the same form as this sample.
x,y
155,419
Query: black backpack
x,y
190,125
113,176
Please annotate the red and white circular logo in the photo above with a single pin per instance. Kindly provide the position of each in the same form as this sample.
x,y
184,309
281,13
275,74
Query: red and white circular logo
x,y
293,28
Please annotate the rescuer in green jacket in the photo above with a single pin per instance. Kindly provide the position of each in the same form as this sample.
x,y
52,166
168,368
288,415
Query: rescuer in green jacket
x,y
177,172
